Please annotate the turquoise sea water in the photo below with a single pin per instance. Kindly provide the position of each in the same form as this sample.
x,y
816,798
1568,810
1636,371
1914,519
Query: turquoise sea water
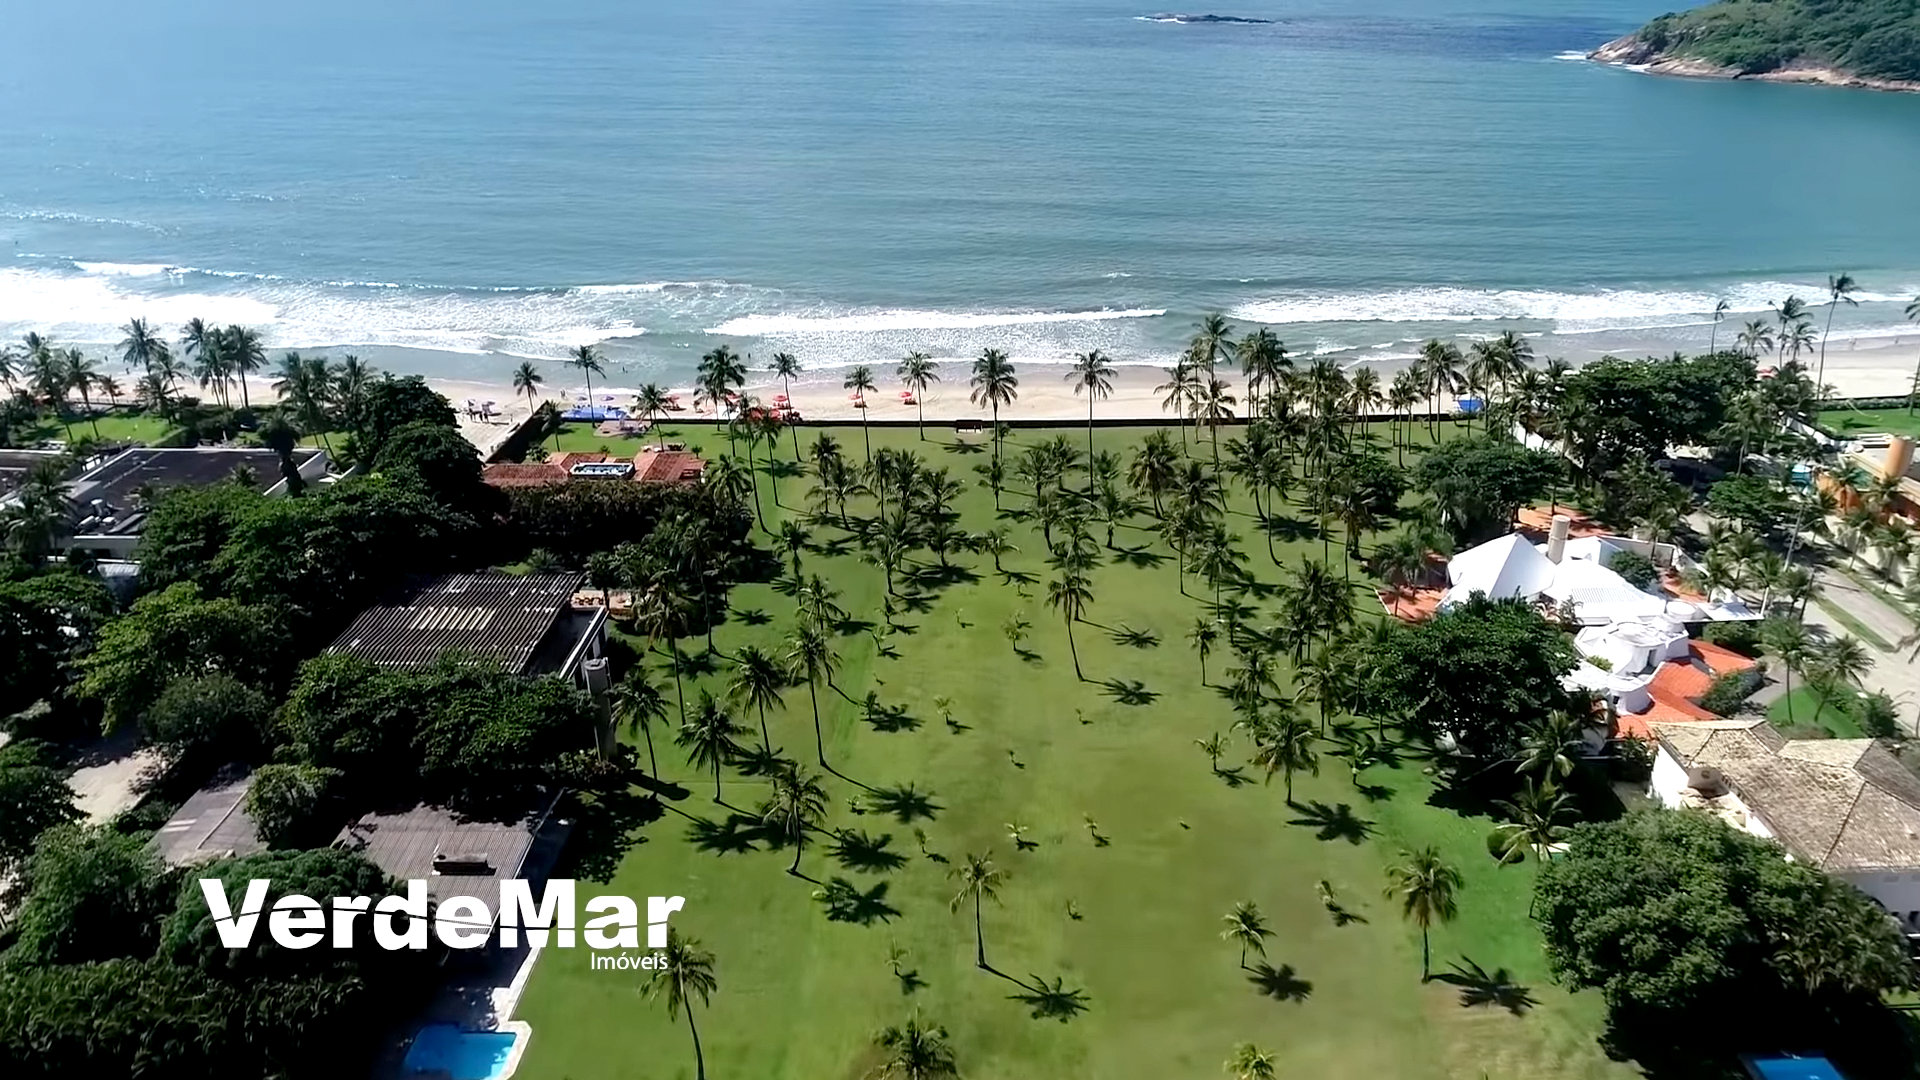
x,y
485,180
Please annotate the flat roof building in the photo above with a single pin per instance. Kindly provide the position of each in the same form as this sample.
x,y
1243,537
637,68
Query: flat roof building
x,y
651,465
526,622
110,503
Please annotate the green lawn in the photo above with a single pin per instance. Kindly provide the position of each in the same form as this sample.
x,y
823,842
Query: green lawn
x,y
1846,421
799,998
1805,710
119,427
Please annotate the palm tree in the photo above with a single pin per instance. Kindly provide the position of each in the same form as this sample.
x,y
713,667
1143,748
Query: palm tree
x,y
587,359
708,737
785,366
1247,927
527,380
1069,594
142,347
994,383
860,381
1204,633
798,805
1211,338
245,355
915,1052
685,973
1286,746
1534,818
1155,468
81,376
1756,337
1713,336
756,684
810,659
1840,289
979,880
1440,364
917,372
351,382
1249,1062
1839,662
638,704
1213,746
1180,389
1913,389
1091,372
652,400
1425,886
1788,640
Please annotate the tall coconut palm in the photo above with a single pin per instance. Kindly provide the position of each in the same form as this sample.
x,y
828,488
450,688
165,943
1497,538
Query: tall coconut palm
x,y
1840,289
1286,746
82,376
1204,634
588,360
979,881
860,381
527,380
1180,390
1534,820
204,349
915,1051
1789,641
652,401
917,372
1913,315
1839,663
1755,337
1263,360
1155,468
1212,337
1069,593
685,972
710,738
245,355
787,367
798,806
994,383
1092,373
1440,364
141,347
1247,928
1427,889
1720,308
810,658
756,684
638,705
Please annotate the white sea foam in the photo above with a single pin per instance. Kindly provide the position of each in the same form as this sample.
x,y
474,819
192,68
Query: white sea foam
x,y
1570,312
114,269
880,322
1570,55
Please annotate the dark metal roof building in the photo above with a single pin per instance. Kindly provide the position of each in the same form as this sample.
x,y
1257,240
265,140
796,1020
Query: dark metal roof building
x,y
455,855
525,621
211,824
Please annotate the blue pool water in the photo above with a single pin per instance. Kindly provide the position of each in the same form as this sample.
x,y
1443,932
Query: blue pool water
x,y
1792,1068
468,1055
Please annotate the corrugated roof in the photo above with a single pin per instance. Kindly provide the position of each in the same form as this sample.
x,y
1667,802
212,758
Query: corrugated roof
x,y
493,614
211,824
408,843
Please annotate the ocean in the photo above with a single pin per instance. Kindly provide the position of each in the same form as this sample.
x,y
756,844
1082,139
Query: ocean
x,y
451,187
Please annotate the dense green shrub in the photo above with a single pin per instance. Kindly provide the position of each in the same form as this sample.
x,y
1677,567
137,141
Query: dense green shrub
x,y
1874,38
1636,568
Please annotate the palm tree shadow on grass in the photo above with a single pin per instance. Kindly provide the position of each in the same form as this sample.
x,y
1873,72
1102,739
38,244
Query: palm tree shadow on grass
x,y
1140,558
1279,983
865,853
936,577
848,903
782,469
1478,986
1050,1001
1333,822
904,804
837,548
1234,777
736,834
1129,693
958,447
1017,577
1291,530
1134,639
605,828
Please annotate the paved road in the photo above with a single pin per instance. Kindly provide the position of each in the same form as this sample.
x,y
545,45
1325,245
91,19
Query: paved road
x,y
1894,672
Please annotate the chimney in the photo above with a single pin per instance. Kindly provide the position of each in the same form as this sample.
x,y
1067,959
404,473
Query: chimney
x,y
1557,537
1899,456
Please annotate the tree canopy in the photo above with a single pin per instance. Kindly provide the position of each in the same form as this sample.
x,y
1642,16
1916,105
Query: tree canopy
x,y
1875,38
1614,407
1671,911
1479,483
1475,676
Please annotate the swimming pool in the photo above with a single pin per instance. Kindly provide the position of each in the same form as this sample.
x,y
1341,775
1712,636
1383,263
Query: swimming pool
x,y
1790,1067
466,1055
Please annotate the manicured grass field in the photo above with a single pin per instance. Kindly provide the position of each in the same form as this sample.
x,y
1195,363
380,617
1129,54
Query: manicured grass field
x,y
116,427
800,998
1845,421
1806,712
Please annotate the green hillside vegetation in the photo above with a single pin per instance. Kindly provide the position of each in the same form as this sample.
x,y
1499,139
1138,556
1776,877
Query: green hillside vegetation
x,y
1872,38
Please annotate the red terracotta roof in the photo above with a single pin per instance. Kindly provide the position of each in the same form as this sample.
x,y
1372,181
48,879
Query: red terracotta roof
x,y
1539,520
1721,660
667,467
530,474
